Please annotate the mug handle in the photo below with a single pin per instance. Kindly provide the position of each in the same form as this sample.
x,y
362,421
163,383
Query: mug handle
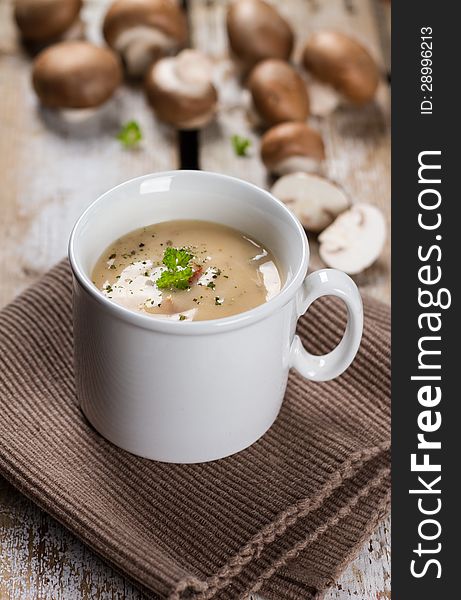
x,y
329,282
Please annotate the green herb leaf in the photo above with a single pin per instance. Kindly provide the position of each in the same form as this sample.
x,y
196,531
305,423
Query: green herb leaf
x,y
130,134
179,272
240,145
176,257
178,279
182,317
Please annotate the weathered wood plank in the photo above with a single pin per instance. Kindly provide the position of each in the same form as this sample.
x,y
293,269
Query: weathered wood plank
x,y
39,559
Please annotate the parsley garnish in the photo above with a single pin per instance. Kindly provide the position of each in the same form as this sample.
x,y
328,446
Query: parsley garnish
x,y
130,134
240,145
176,257
182,317
179,272
175,279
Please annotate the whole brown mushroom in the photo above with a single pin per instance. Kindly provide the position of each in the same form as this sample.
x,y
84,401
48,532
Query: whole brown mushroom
x,y
339,60
142,31
257,31
181,91
75,75
278,91
292,147
45,20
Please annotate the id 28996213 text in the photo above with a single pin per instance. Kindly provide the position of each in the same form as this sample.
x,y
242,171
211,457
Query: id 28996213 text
x,y
426,78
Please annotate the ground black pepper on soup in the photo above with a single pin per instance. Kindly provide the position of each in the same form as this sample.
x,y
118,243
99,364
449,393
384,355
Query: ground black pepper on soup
x,y
187,270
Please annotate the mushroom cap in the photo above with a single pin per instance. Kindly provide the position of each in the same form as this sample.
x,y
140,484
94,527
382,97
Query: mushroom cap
x,y
279,92
181,91
291,147
316,201
354,240
42,20
344,63
257,31
75,75
163,15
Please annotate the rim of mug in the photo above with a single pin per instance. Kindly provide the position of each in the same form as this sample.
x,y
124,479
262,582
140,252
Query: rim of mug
x,y
145,321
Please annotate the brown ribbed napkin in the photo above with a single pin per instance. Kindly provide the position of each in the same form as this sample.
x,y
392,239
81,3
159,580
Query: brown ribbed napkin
x,y
282,517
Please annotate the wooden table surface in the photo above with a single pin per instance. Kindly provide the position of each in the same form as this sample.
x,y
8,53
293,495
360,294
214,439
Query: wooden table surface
x,y
51,170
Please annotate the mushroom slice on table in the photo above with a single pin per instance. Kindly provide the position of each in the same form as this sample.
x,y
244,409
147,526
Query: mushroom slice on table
x,y
342,62
278,92
316,201
142,31
354,240
257,31
45,20
181,91
75,75
291,147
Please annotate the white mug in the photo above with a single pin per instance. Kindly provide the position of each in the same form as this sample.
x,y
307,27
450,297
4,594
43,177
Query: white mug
x,y
185,391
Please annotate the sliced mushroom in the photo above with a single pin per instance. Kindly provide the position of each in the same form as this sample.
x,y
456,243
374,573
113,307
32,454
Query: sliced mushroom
x,y
44,20
354,240
291,147
143,31
256,31
342,62
279,93
181,91
316,201
75,75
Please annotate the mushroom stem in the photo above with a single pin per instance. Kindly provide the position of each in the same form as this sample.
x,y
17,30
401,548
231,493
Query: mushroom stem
x,y
181,91
142,31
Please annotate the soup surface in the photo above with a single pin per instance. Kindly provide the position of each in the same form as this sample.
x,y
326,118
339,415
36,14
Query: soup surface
x,y
187,270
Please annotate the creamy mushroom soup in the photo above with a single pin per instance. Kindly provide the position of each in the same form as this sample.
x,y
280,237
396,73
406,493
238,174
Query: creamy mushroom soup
x,y
187,271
